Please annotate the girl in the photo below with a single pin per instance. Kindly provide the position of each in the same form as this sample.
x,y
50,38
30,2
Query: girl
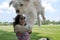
x,y
20,29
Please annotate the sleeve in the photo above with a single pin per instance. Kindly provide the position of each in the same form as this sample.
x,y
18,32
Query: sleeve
x,y
20,29
28,28
17,28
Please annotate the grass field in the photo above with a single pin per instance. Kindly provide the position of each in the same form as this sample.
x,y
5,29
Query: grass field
x,y
50,31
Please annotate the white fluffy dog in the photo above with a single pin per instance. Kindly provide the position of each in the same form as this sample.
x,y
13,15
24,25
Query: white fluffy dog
x,y
30,8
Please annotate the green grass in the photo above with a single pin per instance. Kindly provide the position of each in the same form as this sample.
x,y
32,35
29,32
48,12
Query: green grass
x,y
49,31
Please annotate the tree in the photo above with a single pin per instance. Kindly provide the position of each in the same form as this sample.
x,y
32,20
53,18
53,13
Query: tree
x,y
0,22
46,22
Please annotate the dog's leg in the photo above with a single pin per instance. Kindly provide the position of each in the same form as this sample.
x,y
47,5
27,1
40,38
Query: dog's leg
x,y
40,11
37,5
43,13
38,19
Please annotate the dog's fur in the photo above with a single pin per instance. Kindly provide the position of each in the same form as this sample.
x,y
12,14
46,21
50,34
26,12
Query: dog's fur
x,y
30,8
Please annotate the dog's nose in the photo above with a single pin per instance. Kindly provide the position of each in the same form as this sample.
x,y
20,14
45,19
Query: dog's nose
x,y
21,5
17,11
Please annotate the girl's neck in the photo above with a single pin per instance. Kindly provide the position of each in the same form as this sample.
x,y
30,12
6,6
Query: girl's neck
x,y
22,24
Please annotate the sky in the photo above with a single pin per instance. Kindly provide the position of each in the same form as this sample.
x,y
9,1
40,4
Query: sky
x,y
52,10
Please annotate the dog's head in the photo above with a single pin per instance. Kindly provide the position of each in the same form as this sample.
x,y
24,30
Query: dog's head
x,y
19,5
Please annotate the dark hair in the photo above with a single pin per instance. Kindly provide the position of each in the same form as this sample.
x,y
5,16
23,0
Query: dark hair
x,y
17,19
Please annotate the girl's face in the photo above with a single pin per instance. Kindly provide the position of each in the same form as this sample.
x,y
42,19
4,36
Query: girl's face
x,y
22,20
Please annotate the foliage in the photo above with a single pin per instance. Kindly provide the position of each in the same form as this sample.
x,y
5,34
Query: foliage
x,y
46,22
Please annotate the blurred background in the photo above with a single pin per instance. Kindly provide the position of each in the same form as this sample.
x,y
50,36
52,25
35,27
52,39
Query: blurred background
x,y
50,28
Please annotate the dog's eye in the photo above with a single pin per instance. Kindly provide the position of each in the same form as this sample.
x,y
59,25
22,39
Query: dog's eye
x,y
21,4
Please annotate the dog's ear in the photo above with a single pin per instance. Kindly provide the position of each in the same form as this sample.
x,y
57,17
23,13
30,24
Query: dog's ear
x,y
10,3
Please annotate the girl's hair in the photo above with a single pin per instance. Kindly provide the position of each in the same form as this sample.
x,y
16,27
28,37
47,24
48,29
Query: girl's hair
x,y
17,18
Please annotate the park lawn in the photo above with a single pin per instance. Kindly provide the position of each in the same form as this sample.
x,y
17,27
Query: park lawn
x,y
50,31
